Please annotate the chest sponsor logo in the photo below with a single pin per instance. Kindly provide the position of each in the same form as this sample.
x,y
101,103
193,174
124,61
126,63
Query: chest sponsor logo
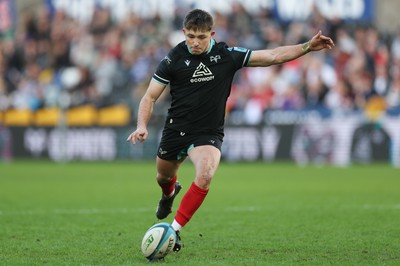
x,y
202,74
215,58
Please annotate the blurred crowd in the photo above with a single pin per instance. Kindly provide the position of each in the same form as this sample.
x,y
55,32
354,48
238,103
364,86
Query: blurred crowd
x,y
54,60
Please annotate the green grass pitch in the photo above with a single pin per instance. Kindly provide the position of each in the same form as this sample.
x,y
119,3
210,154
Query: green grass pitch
x,y
92,213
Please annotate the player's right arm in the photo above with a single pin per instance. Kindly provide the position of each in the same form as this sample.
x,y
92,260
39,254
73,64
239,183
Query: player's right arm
x,y
145,110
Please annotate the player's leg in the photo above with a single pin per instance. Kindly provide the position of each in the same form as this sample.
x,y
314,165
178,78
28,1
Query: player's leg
x,y
205,160
167,180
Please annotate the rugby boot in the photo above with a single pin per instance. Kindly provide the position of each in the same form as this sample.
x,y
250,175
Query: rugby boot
x,y
165,204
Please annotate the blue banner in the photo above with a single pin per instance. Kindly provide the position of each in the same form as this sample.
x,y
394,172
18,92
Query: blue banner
x,y
284,10
348,10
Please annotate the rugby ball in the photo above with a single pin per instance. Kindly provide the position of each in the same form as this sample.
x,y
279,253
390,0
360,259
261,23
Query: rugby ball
x,y
158,241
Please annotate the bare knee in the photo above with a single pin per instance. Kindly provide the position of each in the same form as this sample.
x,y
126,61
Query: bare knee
x,y
205,175
203,181
206,159
166,170
162,178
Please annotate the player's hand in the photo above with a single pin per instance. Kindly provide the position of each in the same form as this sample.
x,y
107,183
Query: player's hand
x,y
319,42
139,134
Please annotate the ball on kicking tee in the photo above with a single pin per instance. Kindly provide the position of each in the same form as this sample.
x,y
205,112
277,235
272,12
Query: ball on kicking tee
x,y
158,241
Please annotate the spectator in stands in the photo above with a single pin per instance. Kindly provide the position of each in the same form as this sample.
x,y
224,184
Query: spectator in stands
x,y
115,57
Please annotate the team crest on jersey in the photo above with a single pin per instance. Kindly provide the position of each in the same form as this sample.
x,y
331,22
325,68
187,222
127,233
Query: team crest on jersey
x,y
215,58
201,74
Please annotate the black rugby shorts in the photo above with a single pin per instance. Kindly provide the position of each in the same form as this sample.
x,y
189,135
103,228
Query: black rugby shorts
x,y
175,145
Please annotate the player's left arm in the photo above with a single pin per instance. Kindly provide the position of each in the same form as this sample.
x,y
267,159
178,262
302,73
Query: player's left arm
x,y
287,53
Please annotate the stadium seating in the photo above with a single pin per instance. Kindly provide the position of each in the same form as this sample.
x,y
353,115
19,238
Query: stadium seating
x,y
17,117
117,115
86,115
47,117
375,108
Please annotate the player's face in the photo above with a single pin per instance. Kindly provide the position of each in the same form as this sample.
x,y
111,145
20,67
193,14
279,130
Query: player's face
x,y
198,41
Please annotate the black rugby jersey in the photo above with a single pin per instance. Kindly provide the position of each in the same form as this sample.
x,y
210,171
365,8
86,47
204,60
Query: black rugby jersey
x,y
200,85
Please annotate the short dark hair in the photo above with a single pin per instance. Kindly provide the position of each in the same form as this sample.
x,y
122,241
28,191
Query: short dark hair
x,y
198,20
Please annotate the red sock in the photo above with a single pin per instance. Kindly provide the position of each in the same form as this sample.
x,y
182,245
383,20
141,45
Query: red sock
x,y
168,188
191,201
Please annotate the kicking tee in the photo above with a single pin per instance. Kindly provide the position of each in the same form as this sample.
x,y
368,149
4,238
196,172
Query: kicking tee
x,y
200,85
